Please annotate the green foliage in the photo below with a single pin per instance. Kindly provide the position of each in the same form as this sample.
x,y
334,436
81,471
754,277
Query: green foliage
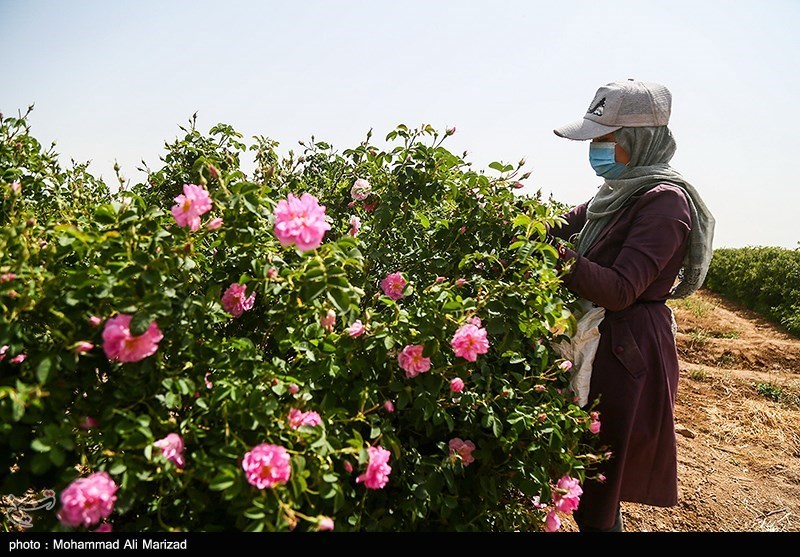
x,y
77,250
764,279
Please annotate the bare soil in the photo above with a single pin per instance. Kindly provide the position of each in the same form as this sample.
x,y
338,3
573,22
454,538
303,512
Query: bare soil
x,y
738,420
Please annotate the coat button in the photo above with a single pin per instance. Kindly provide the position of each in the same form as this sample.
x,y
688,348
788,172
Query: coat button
x,y
619,350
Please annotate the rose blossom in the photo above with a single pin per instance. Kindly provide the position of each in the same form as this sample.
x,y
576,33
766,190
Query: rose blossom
x,y
461,282
236,301
552,523
267,466
88,423
18,359
95,321
298,418
457,385
594,427
469,341
88,500
388,406
214,224
360,190
172,448
393,285
412,361
325,524
293,388
356,329
566,365
83,346
188,207
567,494
377,474
355,225
463,449
300,222
122,346
328,321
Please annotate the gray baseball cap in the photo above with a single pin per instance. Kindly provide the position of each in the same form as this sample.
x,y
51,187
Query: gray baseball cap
x,y
621,104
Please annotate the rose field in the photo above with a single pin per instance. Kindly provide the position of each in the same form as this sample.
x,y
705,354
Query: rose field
x,y
349,340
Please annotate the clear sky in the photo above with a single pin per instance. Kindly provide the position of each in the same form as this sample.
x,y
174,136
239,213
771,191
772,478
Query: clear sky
x,y
113,80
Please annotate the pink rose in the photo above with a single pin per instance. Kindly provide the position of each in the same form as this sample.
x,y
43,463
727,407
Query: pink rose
x,y
567,494
566,365
552,523
325,524
412,361
328,321
18,359
348,467
457,385
300,222
463,449
188,207
236,301
122,346
95,321
388,406
267,466
87,501
293,388
594,427
461,282
469,341
88,423
214,224
360,190
298,418
393,285
355,225
83,346
172,448
377,474
356,329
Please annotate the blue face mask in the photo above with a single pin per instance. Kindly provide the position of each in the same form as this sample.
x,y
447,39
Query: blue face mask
x,y
601,157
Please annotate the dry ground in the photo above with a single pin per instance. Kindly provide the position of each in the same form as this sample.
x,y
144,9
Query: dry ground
x,y
738,419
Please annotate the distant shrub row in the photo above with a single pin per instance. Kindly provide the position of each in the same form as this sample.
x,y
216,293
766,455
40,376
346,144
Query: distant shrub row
x,y
765,279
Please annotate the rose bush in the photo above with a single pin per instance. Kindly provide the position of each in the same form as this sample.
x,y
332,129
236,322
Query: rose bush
x,y
357,340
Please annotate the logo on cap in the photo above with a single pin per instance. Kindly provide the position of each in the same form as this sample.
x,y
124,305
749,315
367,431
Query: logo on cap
x,y
597,109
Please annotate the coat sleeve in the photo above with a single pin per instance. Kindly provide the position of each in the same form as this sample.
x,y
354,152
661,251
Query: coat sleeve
x,y
575,218
659,229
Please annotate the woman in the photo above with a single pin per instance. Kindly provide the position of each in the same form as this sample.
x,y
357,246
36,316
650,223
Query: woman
x,y
644,237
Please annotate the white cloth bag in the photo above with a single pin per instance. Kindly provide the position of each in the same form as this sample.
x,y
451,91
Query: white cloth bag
x,y
581,348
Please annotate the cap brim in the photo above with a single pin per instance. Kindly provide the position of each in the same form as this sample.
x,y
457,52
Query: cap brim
x,y
584,129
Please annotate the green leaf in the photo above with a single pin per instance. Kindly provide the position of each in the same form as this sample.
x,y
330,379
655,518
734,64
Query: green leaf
x,y
221,482
43,369
521,220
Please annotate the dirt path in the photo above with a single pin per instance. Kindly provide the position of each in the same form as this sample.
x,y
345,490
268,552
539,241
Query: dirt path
x,y
738,416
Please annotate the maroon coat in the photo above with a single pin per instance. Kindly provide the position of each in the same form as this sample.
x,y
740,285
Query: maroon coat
x,y
629,271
